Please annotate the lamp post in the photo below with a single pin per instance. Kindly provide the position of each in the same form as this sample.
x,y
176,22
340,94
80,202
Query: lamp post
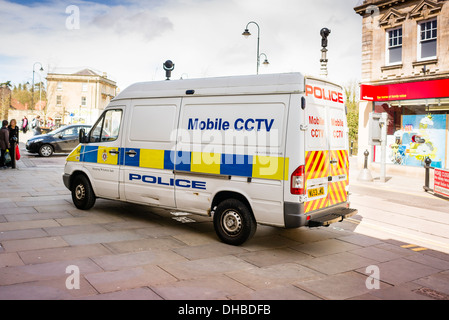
x,y
32,86
265,63
246,34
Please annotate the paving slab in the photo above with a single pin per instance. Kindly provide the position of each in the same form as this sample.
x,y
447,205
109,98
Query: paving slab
x,y
54,289
144,245
128,260
337,263
44,271
338,287
38,216
21,225
403,291
270,257
74,229
208,251
325,247
283,293
144,293
63,254
438,282
33,244
206,267
378,254
207,288
402,270
10,260
144,276
274,276
22,234
104,237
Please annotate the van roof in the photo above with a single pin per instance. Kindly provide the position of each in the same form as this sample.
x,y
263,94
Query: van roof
x,y
235,85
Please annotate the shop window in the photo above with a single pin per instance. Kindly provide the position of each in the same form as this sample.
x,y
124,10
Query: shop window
x,y
416,130
394,46
427,44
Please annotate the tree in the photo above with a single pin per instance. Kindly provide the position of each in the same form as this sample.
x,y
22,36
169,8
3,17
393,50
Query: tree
x,y
352,103
23,93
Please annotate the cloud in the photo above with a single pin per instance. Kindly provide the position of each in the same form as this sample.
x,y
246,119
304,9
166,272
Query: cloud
x,y
131,39
124,21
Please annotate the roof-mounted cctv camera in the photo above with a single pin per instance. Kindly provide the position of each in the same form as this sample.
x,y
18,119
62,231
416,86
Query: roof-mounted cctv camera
x,y
169,66
325,32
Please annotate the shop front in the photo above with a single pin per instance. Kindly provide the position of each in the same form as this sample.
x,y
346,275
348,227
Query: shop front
x,y
418,121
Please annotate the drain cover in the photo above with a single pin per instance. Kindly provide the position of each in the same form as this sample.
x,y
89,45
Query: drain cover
x,y
432,294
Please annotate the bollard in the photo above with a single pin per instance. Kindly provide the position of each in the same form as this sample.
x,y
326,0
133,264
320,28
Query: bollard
x,y
428,162
366,154
365,175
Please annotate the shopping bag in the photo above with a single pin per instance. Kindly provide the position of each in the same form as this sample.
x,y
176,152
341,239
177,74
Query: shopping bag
x,y
7,157
17,152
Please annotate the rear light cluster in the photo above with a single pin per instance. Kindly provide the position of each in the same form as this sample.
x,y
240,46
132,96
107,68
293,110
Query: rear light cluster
x,y
297,181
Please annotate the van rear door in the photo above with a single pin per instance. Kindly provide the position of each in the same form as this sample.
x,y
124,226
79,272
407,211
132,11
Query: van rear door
x,y
326,157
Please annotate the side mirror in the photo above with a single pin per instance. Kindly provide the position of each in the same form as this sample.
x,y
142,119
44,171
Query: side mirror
x,y
82,136
60,136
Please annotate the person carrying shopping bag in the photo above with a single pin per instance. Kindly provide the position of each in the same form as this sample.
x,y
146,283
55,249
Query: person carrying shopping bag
x,y
4,143
13,141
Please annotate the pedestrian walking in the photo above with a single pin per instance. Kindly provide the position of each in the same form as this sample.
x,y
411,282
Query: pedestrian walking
x,y
4,143
36,126
25,124
13,141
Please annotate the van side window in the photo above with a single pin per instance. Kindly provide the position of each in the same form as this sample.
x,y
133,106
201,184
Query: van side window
x,y
107,127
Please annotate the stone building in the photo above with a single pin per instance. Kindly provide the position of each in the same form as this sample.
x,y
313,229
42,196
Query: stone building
x,y
5,101
405,73
79,97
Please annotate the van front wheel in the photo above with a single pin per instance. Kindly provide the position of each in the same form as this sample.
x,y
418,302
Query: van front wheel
x,y
82,193
234,222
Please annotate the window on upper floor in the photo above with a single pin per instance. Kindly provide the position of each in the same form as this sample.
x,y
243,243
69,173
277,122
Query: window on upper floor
x,y
394,46
84,87
427,39
59,86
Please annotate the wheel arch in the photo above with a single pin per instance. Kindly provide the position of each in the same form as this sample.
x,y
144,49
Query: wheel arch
x,y
228,194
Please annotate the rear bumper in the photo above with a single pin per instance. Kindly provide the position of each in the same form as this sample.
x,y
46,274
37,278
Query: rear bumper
x,y
294,216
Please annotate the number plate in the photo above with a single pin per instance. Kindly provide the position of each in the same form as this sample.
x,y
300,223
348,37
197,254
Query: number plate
x,y
318,192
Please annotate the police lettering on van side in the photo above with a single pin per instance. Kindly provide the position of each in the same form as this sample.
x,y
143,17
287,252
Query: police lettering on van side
x,y
181,183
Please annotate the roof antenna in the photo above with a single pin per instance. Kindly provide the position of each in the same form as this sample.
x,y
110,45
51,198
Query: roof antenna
x,y
169,66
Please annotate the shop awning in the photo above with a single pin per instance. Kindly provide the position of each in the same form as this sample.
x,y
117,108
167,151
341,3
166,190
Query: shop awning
x,y
406,91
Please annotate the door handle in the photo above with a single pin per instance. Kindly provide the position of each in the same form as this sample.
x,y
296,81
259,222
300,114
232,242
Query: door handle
x,y
114,152
334,161
131,153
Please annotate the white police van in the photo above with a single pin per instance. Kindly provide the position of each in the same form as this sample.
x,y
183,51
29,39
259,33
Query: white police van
x,y
247,150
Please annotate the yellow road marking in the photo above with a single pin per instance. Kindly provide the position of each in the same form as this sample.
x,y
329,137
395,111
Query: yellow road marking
x,y
420,249
408,246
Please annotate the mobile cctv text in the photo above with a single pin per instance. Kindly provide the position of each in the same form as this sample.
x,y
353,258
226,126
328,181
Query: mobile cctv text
x,y
238,125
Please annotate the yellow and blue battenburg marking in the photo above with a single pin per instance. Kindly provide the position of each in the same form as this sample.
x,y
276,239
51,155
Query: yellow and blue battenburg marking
x,y
262,167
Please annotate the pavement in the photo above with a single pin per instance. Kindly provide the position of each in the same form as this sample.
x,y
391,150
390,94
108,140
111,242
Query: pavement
x,y
51,250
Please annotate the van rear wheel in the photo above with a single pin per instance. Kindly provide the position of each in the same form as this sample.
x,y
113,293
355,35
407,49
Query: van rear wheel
x,y
82,193
233,222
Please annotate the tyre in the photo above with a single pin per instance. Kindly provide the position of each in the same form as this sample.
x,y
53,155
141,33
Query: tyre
x,y
233,222
45,150
82,193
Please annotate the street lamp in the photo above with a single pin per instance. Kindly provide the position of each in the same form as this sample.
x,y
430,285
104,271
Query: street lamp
x,y
32,86
246,34
265,63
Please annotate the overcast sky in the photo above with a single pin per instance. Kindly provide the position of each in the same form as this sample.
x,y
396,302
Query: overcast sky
x,y
131,39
